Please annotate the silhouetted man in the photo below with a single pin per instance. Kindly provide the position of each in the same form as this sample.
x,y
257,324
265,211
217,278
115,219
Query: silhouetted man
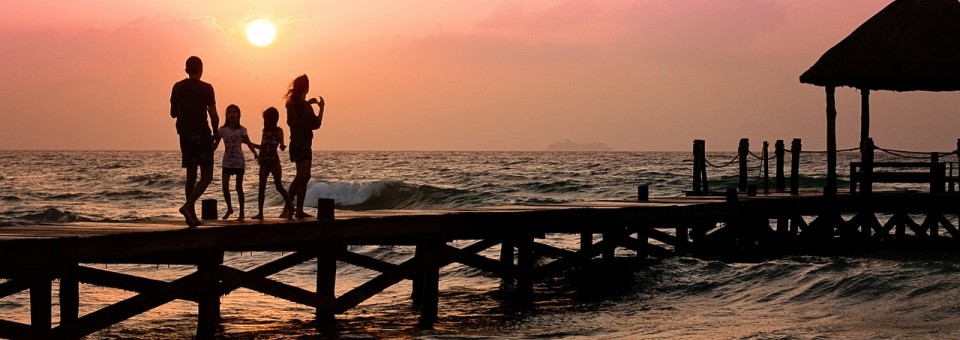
x,y
190,102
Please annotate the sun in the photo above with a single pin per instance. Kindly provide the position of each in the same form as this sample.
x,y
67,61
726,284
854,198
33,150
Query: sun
x,y
261,32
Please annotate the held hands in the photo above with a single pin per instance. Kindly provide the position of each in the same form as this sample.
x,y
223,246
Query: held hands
x,y
283,147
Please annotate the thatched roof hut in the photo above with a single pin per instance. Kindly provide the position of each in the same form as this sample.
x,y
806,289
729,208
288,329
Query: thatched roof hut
x,y
910,45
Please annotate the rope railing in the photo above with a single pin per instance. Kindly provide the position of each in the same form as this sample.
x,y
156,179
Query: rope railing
x,y
765,168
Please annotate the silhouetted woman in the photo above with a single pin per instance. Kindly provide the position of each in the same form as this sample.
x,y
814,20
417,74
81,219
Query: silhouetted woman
x,y
302,121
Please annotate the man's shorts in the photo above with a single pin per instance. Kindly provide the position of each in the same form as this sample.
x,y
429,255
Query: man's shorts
x,y
196,150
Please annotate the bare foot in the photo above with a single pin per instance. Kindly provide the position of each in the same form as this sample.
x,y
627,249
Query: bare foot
x,y
229,212
286,214
240,218
301,214
191,223
258,216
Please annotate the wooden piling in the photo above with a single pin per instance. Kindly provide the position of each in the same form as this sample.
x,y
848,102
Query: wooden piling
x,y
429,283
506,260
69,294
208,306
327,283
40,302
526,260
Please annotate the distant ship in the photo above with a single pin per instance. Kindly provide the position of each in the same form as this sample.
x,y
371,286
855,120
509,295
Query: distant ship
x,y
571,146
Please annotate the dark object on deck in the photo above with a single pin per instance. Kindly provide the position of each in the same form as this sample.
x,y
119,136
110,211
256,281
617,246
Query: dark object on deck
x,y
325,208
208,209
643,193
910,45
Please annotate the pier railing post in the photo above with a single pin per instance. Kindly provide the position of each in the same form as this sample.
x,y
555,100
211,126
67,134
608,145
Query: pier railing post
x,y
795,147
766,167
937,174
779,153
742,152
866,166
700,185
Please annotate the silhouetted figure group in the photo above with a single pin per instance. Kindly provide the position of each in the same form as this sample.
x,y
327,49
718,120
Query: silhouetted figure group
x,y
192,101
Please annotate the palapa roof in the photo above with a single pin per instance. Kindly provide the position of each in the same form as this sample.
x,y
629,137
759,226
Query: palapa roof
x,y
910,45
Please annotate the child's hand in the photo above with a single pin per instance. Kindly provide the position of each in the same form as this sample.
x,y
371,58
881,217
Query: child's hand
x,y
283,147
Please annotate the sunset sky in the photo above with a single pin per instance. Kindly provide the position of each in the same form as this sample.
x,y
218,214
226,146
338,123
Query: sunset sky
x,y
452,75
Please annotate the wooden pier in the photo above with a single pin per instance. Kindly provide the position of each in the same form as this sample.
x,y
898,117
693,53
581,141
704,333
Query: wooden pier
x,y
34,258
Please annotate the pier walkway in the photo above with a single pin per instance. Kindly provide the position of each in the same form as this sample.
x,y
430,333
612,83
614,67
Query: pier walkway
x,y
37,257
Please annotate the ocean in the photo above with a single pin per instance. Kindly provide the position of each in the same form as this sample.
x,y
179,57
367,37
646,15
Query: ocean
x,y
877,295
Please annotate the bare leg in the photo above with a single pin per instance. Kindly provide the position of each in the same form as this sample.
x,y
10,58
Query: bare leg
x,y
278,182
261,190
240,197
191,181
302,177
188,210
226,194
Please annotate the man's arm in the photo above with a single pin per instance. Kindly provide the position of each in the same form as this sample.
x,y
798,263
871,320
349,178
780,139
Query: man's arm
x,y
214,120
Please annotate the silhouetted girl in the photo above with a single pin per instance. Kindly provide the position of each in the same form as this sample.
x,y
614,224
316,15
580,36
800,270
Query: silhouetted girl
x,y
270,159
234,135
302,121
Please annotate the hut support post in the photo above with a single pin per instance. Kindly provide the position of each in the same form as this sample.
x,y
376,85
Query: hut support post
x,y
742,152
795,149
864,115
778,153
831,188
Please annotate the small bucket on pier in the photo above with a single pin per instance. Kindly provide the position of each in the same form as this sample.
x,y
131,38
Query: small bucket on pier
x,y
208,209
325,208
